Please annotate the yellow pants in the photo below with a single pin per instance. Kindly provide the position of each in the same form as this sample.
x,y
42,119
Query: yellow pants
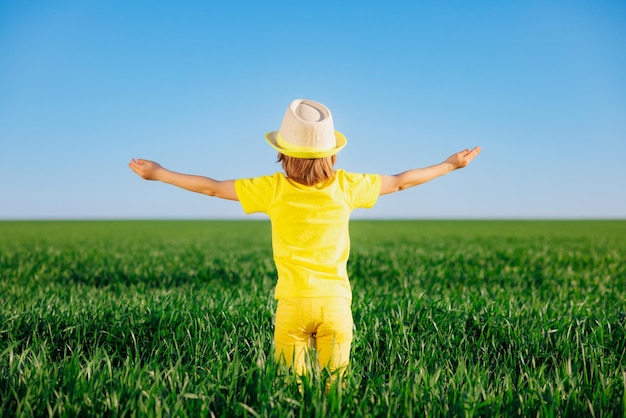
x,y
319,325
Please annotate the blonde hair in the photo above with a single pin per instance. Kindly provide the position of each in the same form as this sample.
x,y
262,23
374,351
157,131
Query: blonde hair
x,y
308,171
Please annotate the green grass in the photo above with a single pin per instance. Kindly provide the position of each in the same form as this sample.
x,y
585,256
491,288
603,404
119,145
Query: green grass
x,y
453,318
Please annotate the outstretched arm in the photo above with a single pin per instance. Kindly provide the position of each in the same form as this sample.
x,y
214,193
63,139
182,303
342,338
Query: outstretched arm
x,y
417,176
149,170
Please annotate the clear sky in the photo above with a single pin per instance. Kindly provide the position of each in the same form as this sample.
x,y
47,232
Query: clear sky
x,y
195,85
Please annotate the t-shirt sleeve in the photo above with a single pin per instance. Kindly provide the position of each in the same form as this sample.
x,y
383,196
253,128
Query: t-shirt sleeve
x,y
255,194
364,189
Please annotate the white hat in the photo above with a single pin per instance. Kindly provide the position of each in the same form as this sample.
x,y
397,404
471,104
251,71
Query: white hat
x,y
307,132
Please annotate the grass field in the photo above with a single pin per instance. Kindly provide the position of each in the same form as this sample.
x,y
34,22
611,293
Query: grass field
x,y
453,318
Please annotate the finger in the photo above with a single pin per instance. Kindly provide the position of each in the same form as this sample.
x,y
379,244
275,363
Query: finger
x,y
474,153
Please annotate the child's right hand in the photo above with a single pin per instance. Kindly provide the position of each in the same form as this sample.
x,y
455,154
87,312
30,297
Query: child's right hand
x,y
145,169
462,158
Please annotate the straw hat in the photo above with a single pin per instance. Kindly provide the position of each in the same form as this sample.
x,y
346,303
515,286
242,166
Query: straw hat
x,y
307,132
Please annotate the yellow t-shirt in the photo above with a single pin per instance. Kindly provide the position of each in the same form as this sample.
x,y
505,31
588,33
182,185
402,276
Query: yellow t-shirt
x,y
310,236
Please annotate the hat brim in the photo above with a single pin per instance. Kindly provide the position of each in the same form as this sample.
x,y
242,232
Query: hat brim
x,y
340,139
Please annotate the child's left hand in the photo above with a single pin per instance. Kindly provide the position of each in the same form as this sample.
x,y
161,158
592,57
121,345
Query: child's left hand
x,y
145,169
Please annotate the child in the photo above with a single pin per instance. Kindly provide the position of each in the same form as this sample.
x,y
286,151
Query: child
x,y
309,207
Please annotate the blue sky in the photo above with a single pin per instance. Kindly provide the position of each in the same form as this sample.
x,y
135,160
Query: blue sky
x,y
195,85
